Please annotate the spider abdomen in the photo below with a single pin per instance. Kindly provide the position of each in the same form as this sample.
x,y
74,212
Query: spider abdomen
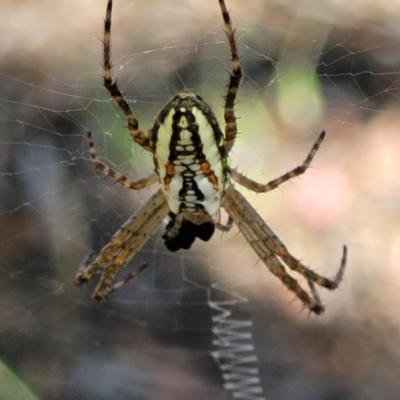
x,y
189,155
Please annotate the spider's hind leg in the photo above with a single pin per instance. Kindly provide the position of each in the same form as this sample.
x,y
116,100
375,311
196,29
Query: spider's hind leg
x,y
110,84
234,81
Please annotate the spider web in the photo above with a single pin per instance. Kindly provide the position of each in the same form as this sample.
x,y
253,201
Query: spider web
x,y
211,322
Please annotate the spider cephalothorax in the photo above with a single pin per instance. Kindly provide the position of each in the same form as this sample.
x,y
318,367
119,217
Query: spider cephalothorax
x,y
190,154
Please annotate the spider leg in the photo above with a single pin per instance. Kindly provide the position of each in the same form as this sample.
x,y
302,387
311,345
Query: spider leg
x,y
314,292
272,241
124,245
121,179
224,227
110,84
265,233
260,188
238,211
86,262
123,282
234,81
309,274
268,247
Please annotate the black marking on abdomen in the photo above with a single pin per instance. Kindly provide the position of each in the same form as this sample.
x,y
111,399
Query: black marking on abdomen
x,y
179,151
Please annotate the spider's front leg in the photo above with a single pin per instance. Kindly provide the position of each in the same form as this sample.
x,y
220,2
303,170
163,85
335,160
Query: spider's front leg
x,y
273,252
223,227
124,245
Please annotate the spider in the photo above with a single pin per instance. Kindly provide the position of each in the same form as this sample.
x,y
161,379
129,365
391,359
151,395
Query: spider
x,y
190,156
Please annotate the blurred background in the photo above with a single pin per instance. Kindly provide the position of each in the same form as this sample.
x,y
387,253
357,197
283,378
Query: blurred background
x,y
307,67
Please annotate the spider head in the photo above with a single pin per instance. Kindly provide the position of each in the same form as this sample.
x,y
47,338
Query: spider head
x,y
187,233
